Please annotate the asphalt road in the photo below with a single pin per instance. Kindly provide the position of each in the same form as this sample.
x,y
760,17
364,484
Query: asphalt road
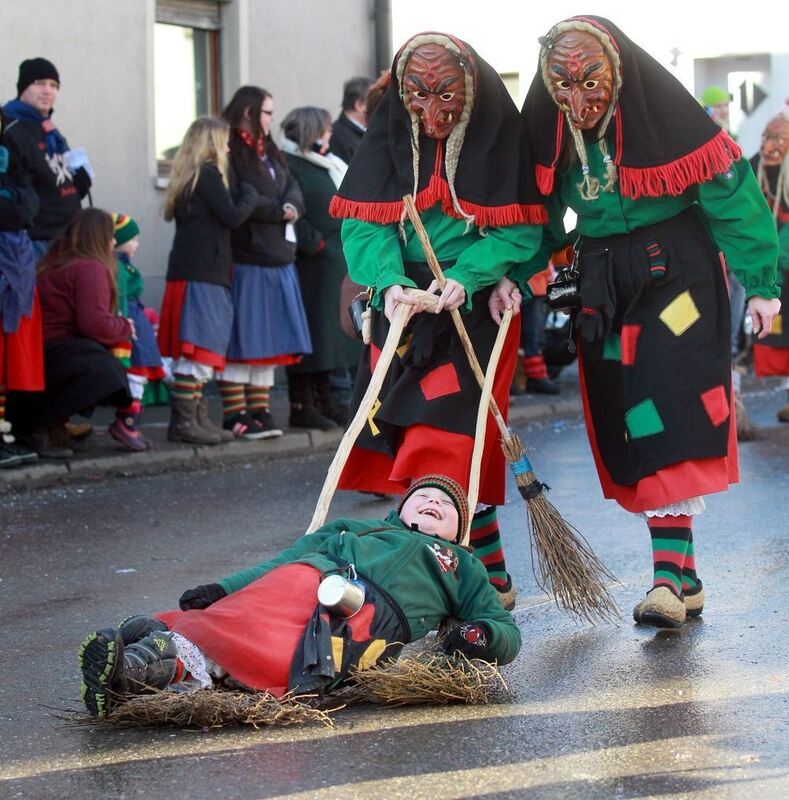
x,y
607,711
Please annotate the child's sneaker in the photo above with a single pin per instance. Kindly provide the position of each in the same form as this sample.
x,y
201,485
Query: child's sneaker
x,y
245,426
127,434
266,422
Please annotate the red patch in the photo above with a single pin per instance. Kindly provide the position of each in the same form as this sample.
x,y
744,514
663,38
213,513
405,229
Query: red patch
x,y
629,340
375,354
716,405
440,382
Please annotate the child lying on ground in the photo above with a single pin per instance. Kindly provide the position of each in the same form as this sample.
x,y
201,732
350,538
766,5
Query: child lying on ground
x,y
265,627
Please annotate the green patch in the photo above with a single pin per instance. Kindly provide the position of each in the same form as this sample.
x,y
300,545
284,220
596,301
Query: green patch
x,y
612,347
643,420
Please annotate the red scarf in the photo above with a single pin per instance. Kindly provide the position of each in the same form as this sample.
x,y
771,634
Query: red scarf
x,y
247,139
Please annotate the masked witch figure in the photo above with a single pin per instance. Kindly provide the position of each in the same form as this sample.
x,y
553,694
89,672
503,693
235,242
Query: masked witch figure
x,y
447,132
771,164
660,192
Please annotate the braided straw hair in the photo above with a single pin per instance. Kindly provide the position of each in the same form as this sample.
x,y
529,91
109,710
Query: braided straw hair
x,y
455,139
590,186
781,184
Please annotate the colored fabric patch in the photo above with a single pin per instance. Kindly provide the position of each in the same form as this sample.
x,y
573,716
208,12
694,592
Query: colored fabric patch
x,y
375,354
374,429
778,325
630,335
441,382
680,313
643,420
716,405
612,347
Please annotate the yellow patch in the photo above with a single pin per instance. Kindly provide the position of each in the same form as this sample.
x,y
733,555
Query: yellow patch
x,y
371,655
373,411
405,346
336,649
680,313
778,325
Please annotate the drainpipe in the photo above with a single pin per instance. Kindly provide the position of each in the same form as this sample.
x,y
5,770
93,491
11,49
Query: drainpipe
x,y
382,21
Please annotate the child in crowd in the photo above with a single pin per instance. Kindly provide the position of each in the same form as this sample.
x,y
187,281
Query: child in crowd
x,y
270,628
197,309
79,303
144,362
21,343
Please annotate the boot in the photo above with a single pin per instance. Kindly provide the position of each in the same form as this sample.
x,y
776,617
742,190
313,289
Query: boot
x,y
149,663
137,627
745,429
183,424
324,402
303,413
783,414
125,429
204,421
694,602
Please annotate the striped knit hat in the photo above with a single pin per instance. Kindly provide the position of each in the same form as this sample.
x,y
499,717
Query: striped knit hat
x,y
451,488
124,228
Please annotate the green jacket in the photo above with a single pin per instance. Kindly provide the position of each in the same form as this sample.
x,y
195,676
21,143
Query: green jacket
x,y
429,579
737,216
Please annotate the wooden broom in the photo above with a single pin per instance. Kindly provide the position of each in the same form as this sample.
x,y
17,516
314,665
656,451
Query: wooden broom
x,y
566,566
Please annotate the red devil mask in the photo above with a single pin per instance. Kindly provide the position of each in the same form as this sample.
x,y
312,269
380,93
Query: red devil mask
x,y
775,141
434,89
581,78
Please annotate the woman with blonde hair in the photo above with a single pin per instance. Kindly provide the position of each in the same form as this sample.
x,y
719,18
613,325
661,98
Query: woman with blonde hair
x,y
197,312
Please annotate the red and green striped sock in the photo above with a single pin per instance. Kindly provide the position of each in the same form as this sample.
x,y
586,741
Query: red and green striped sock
x,y
670,537
690,580
485,538
184,388
233,400
258,397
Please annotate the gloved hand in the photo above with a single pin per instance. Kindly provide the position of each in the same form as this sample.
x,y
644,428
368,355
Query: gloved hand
x,y
81,181
469,638
201,597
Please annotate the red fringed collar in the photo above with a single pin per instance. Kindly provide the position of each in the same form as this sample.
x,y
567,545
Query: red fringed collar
x,y
437,191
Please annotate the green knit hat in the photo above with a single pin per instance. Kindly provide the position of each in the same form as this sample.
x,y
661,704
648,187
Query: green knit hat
x,y
124,228
451,488
713,95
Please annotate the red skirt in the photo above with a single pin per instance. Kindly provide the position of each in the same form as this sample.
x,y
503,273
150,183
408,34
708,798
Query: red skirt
x,y
253,633
769,360
424,449
680,481
22,353
169,336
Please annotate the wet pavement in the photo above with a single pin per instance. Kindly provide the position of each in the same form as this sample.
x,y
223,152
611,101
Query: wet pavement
x,y
610,711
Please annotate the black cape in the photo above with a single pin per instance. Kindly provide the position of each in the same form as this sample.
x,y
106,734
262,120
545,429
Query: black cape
x,y
665,140
494,179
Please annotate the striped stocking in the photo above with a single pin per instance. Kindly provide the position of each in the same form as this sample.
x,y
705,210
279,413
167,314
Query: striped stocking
x,y
233,400
690,580
185,387
257,397
486,540
670,540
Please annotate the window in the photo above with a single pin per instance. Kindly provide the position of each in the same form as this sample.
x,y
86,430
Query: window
x,y
186,71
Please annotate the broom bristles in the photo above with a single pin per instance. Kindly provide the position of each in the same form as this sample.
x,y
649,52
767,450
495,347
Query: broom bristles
x,y
427,677
565,564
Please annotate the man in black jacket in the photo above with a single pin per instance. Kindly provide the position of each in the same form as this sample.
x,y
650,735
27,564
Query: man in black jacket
x,y
43,151
350,126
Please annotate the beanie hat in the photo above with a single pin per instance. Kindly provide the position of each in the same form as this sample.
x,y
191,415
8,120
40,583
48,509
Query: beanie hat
x,y
35,69
451,488
124,228
713,95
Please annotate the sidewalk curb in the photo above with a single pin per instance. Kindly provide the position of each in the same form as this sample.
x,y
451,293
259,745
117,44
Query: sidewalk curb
x,y
151,462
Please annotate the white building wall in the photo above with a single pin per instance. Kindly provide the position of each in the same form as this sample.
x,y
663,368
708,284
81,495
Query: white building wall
x,y
301,51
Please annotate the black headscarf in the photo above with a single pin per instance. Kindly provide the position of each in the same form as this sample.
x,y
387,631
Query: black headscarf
x,y
665,140
494,181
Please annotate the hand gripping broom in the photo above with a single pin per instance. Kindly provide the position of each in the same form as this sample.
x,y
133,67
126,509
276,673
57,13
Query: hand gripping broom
x,y
566,565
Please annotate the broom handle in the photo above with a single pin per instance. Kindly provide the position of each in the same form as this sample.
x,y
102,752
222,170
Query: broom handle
x,y
482,419
348,440
435,268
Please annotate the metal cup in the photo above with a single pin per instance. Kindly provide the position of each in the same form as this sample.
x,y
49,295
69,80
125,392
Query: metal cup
x,y
342,597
